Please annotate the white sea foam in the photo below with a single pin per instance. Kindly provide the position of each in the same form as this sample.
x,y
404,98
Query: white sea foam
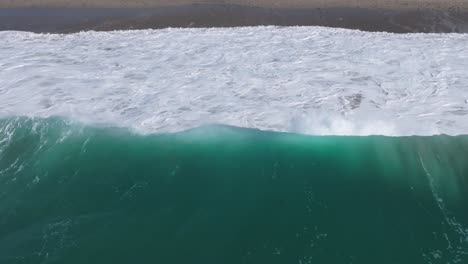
x,y
301,79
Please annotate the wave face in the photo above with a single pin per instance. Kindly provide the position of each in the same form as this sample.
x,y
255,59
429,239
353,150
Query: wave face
x,y
308,80
71,193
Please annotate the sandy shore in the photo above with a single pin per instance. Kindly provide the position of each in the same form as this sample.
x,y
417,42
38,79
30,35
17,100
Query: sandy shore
x,y
384,4
399,16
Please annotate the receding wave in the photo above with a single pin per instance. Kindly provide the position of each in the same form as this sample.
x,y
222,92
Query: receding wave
x,y
71,193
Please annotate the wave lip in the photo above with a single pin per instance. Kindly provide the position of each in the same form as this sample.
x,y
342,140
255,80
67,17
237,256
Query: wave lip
x,y
71,193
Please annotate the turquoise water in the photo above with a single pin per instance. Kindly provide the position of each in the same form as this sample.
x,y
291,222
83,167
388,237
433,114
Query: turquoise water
x,y
71,193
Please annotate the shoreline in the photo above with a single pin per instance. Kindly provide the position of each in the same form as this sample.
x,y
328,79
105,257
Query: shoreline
x,y
70,20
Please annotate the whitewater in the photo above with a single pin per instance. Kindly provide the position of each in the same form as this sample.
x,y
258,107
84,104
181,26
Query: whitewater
x,y
185,146
310,80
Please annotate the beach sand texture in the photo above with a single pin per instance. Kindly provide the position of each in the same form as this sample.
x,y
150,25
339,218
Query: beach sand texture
x,y
385,4
398,16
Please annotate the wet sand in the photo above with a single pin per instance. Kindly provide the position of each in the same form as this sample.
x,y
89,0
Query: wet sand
x,y
399,16
379,4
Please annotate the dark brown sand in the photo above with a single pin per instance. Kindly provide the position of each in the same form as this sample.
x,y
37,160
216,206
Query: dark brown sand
x,y
400,16
379,4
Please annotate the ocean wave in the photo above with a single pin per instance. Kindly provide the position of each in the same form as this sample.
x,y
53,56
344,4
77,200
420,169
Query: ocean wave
x,y
74,193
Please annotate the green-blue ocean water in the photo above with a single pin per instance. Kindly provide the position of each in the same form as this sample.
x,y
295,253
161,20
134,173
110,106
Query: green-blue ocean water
x,y
71,193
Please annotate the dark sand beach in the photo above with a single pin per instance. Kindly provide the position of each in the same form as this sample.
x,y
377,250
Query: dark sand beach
x,y
400,16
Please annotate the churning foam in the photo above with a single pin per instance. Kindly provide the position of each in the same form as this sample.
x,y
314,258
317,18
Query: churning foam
x,y
308,80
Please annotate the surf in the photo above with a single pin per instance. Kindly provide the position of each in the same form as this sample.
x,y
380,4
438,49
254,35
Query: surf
x,y
313,80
